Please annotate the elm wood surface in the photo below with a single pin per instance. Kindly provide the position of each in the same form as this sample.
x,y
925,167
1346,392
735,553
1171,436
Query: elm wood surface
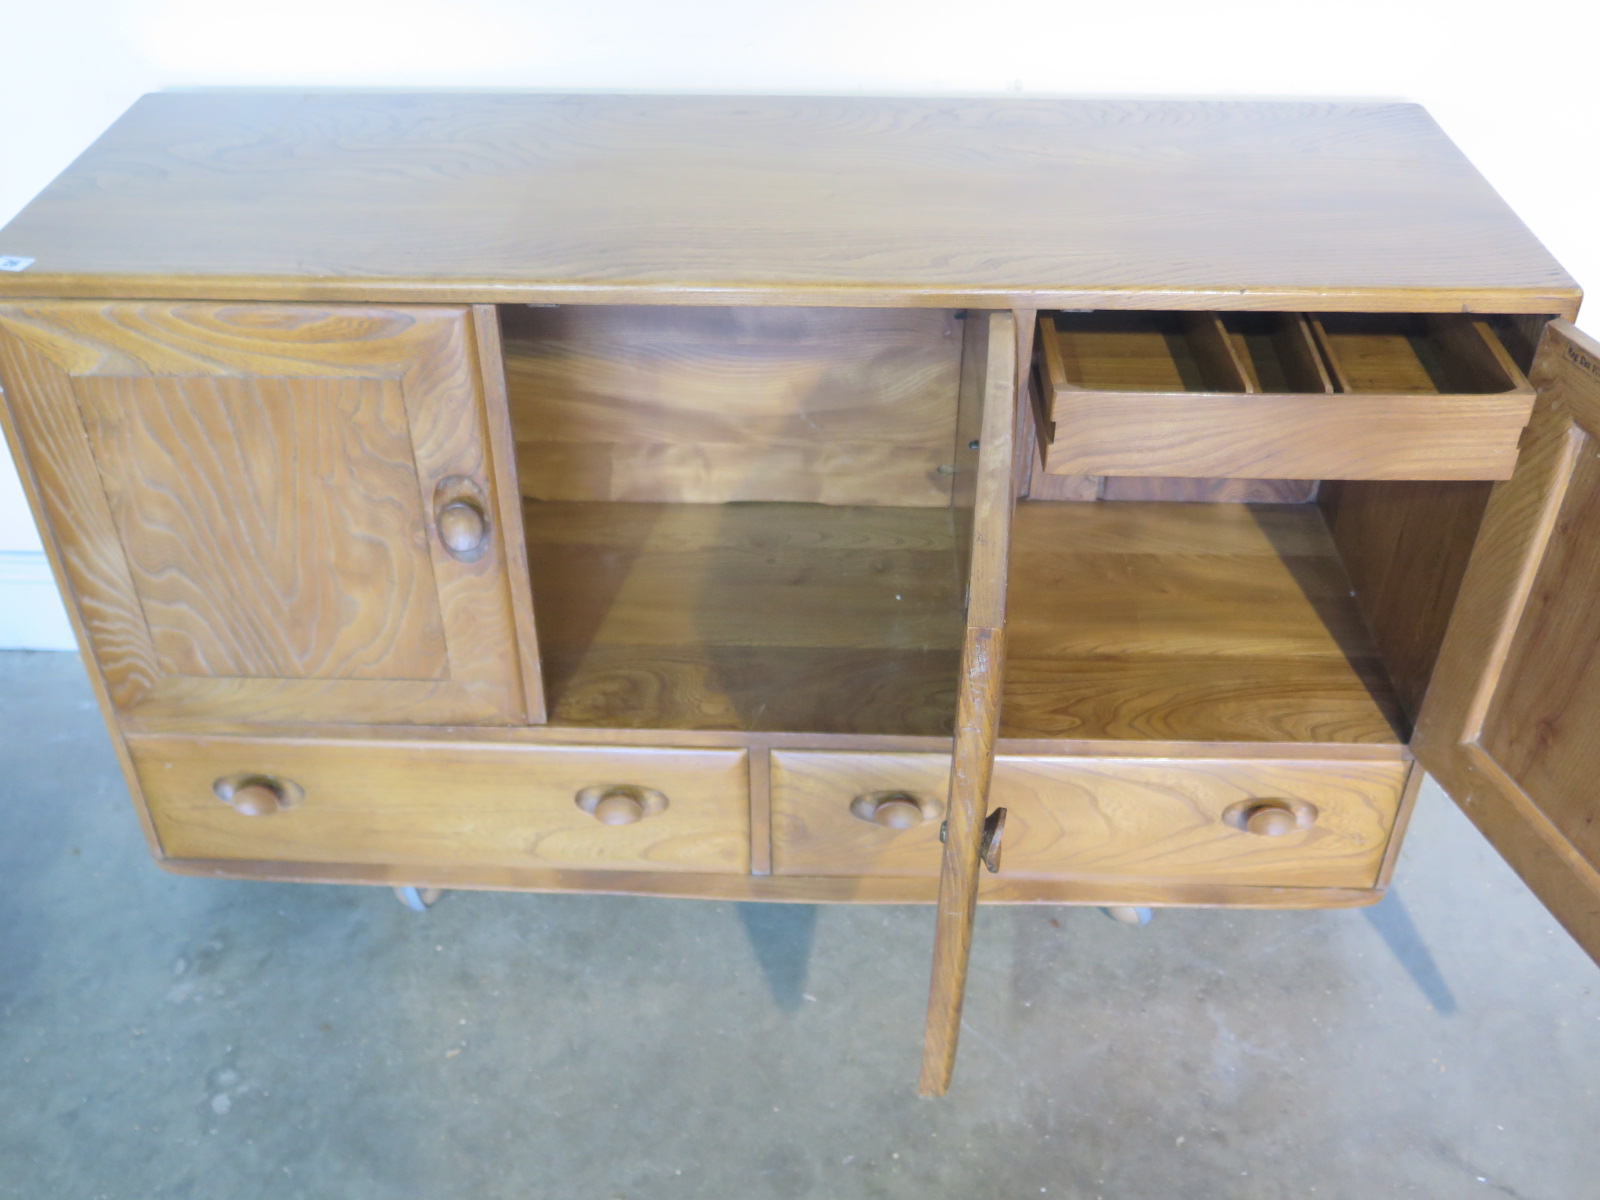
x,y
1039,484
1187,622
220,575
773,888
461,805
1415,777
1114,819
802,617
1202,491
790,200
1181,394
508,500
978,703
704,405
1405,546
586,735
1508,726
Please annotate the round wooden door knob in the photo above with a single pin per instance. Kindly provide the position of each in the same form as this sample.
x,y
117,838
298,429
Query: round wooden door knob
x,y
1271,820
462,527
257,795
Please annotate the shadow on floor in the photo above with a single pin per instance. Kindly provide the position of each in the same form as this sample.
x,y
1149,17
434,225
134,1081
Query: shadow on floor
x,y
781,936
1392,920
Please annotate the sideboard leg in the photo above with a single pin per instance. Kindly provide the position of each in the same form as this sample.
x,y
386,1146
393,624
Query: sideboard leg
x,y
418,899
1127,914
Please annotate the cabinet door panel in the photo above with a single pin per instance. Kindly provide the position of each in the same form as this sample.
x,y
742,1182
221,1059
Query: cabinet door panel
x,y
244,500
1511,724
989,486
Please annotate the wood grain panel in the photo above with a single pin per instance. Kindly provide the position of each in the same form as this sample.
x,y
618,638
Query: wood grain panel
x,y
1006,202
1508,724
450,805
977,702
76,609
794,889
1202,491
244,495
1096,818
214,486
74,516
706,405
1540,726
501,446
1179,394
1288,437
1405,546
1188,622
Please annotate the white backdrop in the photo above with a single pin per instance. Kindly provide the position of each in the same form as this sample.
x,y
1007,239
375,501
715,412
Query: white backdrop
x,y
1513,87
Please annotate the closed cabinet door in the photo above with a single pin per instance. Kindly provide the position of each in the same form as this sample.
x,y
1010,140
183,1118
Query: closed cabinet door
x,y
278,512
1511,723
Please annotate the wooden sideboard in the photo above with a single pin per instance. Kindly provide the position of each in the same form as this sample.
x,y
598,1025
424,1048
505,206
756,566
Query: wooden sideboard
x,y
735,497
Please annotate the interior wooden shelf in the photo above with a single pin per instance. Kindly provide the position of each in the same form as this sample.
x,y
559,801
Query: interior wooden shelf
x,y
753,617
1190,622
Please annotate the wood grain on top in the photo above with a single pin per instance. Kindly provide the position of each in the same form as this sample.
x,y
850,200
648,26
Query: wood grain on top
x,y
869,201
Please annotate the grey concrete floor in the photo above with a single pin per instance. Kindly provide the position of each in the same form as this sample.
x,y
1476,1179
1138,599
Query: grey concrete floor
x,y
172,1037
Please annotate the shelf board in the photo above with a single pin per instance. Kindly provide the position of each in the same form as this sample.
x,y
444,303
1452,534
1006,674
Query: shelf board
x,y
754,617
1128,621
1187,622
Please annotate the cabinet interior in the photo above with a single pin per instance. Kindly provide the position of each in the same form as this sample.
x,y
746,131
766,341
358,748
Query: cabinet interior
x,y
756,519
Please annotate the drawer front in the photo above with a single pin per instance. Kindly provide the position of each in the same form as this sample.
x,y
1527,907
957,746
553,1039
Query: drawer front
x,y
1157,820
448,804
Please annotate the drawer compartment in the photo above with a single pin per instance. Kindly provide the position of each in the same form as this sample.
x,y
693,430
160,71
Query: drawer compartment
x,y
1319,824
443,804
1278,396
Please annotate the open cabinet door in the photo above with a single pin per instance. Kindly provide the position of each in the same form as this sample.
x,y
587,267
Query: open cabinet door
x,y
991,342
1511,724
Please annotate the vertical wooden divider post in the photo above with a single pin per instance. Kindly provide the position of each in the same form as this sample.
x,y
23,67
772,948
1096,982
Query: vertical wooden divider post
x,y
978,703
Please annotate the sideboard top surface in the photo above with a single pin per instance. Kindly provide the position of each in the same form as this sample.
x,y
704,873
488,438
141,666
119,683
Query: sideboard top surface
x,y
800,200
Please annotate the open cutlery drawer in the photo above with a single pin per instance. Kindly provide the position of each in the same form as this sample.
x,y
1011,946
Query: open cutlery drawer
x,y
1278,395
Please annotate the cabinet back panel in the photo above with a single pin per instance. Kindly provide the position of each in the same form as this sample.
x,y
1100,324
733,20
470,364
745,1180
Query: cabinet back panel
x,y
708,405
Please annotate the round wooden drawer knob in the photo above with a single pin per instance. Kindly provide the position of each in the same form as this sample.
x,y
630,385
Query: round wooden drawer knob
x,y
256,800
618,808
1271,820
462,527
895,810
621,803
1273,817
257,795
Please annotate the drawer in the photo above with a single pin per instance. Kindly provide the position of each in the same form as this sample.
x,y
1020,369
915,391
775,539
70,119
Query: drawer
x,y
448,804
1278,396
1156,820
